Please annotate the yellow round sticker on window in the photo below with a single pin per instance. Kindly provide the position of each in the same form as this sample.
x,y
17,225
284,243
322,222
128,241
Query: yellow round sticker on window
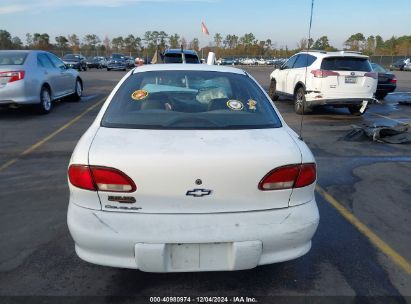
x,y
139,95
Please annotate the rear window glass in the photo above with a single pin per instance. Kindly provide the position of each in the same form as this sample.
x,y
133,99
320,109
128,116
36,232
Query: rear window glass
x,y
346,64
190,100
12,58
177,58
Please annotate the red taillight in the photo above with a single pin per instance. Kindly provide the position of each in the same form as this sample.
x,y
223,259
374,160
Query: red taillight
x,y
393,80
308,175
100,178
112,180
13,76
324,73
288,177
80,176
371,75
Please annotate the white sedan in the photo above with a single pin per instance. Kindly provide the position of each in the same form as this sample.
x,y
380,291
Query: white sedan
x,y
190,168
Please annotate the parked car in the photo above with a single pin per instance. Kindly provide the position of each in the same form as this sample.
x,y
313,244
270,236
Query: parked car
x,y
387,82
102,60
94,62
117,62
36,77
318,78
75,61
249,61
261,61
130,62
401,64
190,168
175,56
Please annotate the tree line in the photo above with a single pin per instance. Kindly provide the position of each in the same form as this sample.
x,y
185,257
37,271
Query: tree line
x,y
230,45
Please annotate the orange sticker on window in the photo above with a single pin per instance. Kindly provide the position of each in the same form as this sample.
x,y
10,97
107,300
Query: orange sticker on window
x,y
139,95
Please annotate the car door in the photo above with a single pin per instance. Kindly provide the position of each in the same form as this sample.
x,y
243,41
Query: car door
x,y
50,73
66,80
283,74
296,73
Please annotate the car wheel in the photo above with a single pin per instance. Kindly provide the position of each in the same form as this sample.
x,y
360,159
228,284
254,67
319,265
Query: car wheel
x,y
78,91
45,105
300,105
272,90
108,69
355,110
380,95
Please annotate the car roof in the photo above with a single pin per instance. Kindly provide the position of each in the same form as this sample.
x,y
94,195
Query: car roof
x,y
323,54
187,67
178,51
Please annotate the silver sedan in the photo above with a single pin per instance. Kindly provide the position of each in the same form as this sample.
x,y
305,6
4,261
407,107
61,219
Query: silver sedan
x,y
36,77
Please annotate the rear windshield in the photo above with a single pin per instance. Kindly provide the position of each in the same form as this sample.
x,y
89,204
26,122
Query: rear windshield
x,y
12,58
346,64
176,58
190,100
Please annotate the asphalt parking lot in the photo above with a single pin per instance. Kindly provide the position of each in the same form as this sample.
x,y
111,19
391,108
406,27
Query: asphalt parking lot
x,y
362,246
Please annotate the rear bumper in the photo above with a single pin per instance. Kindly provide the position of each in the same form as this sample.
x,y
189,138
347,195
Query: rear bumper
x,y
116,66
388,88
319,99
168,242
17,93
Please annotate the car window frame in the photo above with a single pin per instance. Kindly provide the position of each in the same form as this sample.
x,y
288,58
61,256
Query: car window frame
x,y
284,66
62,66
39,64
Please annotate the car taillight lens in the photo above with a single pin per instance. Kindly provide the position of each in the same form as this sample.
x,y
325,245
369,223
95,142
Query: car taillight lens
x,y
394,80
324,73
112,180
100,179
371,75
13,76
289,177
80,177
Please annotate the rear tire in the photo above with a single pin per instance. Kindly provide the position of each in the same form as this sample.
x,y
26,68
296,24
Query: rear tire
x,y
108,69
272,90
300,104
381,95
78,90
355,110
45,105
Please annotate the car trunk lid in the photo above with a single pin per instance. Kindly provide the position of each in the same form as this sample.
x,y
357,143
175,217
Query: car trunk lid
x,y
192,171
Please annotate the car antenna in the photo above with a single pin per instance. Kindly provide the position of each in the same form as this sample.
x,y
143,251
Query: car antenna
x,y
306,70
183,57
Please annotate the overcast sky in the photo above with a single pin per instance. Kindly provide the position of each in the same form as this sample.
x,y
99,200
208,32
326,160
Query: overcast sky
x,y
285,22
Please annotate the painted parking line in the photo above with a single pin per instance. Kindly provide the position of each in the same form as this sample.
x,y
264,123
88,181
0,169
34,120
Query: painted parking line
x,y
48,137
367,232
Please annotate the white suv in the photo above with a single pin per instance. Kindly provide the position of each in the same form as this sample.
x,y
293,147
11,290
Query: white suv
x,y
317,78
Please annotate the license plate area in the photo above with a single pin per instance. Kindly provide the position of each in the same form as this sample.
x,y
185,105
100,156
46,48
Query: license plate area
x,y
199,256
350,79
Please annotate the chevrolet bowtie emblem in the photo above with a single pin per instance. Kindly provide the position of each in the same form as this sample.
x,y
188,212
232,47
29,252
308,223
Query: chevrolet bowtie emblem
x,y
199,192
